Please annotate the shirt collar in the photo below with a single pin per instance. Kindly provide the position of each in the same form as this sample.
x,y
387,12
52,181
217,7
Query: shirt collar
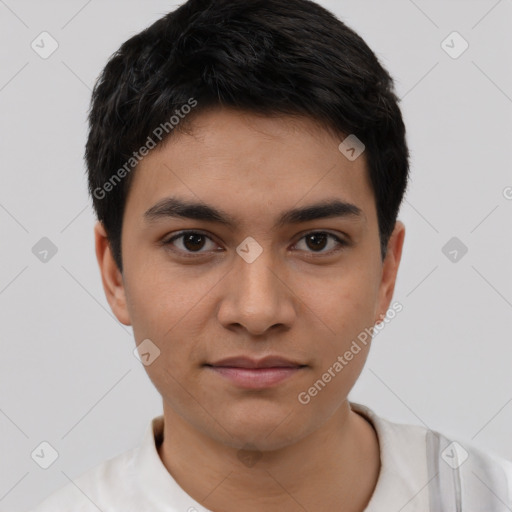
x,y
403,476
396,484
156,482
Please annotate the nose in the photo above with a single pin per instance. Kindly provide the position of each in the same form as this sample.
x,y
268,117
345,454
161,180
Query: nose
x,y
257,297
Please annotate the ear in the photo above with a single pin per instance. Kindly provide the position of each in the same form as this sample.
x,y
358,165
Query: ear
x,y
111,276
390,269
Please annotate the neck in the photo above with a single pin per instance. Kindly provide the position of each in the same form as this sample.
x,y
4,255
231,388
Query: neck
x,y
334,468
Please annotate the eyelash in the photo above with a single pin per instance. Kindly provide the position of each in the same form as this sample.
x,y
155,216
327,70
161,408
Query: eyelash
x,y
168,242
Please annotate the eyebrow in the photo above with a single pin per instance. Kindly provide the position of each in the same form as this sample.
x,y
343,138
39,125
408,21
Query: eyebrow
x,y
179,208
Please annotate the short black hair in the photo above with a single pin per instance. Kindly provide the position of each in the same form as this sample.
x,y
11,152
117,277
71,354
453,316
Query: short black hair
x,y
270,57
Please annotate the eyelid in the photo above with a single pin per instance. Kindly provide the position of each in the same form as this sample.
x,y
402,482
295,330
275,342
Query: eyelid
x,y
167,242
342,242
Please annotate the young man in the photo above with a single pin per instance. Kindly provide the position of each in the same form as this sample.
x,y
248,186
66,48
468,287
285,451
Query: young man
x,y
247,161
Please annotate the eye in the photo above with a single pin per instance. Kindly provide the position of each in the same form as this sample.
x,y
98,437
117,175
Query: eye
x,y
318,240
190,243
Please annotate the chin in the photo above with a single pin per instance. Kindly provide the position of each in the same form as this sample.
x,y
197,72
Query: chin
x,y
266,432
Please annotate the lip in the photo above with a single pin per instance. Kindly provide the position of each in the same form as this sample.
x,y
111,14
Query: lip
x,y
248,362
256,373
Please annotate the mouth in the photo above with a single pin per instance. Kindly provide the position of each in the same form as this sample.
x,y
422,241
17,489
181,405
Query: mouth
x,y
251,373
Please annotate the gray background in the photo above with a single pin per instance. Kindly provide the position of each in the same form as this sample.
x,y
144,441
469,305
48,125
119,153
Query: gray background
x,y
67,372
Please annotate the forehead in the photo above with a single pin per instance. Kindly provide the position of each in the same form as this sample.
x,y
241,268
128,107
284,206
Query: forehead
x,y
241,161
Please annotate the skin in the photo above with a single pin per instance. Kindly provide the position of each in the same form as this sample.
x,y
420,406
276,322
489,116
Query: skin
x,y
302,301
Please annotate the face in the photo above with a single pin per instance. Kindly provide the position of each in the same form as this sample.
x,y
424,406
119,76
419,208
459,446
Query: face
x,y
280,269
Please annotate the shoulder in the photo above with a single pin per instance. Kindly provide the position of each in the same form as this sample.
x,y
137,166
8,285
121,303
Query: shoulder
x,y
470,474
96,488
114,484
456,471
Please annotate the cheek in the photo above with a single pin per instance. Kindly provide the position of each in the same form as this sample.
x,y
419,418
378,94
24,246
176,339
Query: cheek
x,y
171,309
344,301
159,297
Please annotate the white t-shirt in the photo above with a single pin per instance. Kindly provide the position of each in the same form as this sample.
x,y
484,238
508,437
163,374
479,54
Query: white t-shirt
x,y
137,480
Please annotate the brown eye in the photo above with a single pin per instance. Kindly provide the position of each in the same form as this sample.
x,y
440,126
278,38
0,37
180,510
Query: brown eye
x,y
193,241
190,242
317,241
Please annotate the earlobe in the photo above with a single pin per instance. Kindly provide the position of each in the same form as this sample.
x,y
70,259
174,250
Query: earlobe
x,y
390,269
111,277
